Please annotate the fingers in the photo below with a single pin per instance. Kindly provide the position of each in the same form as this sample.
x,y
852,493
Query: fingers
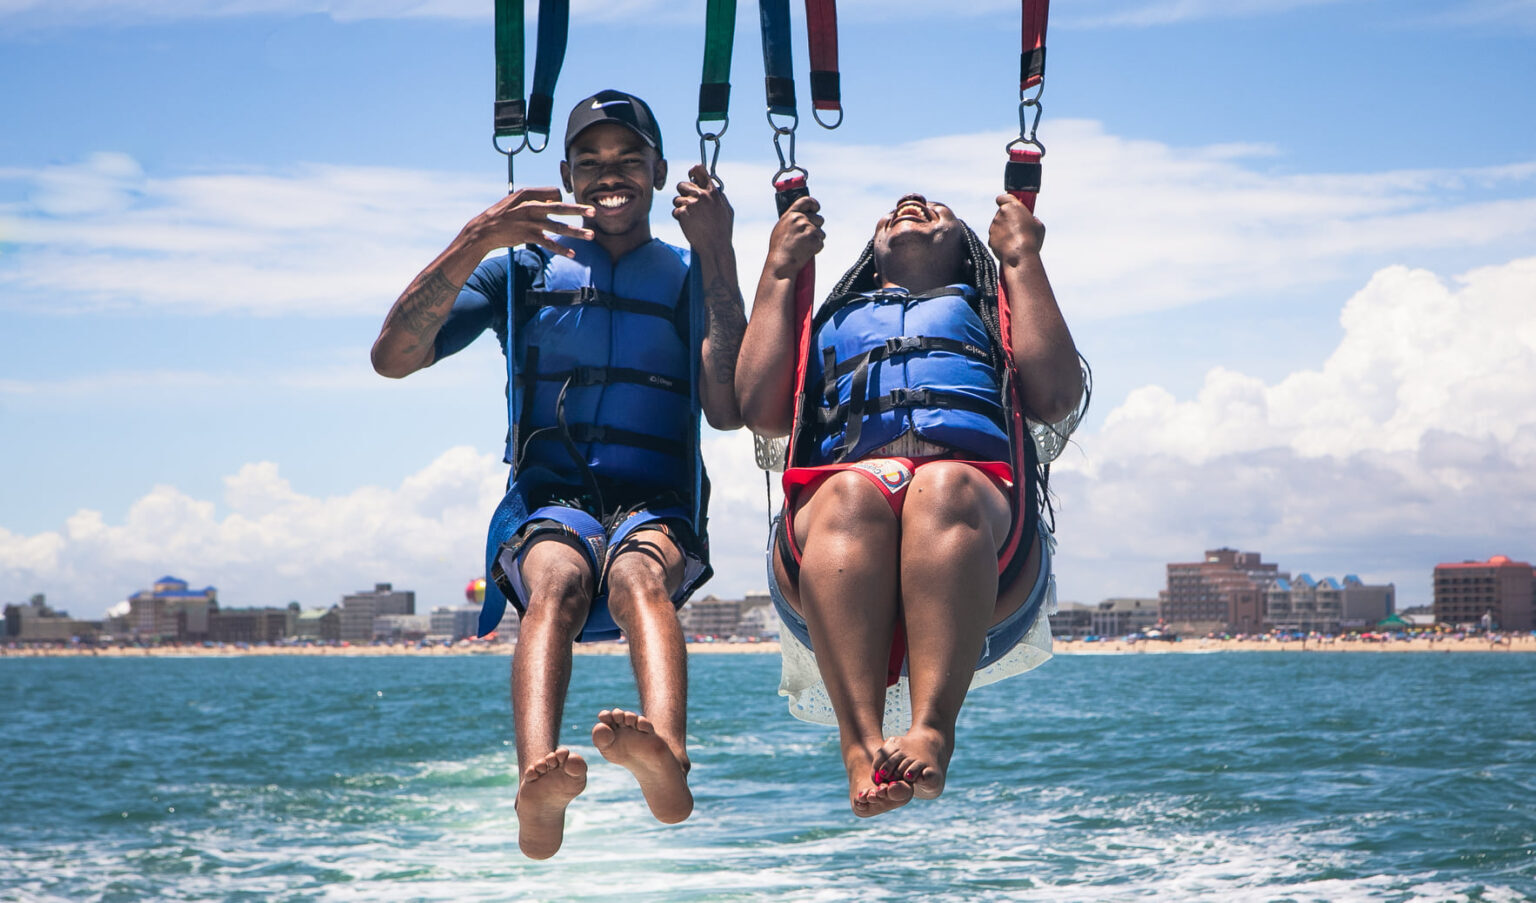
x,y
552,246
807,205
557,208
700,175
523,195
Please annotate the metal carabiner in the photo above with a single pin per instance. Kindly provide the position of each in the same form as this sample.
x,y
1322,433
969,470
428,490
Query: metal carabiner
x,y
1027,132
707,158
510,154
710,159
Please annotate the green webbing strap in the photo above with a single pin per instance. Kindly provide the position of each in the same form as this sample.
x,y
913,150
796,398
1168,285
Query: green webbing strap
x,y
715,84
554,25
510,117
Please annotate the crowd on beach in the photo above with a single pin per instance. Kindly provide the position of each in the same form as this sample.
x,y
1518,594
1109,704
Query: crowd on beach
x,y
1416,641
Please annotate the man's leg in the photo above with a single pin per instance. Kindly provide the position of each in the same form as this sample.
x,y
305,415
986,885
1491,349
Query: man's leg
x,y
559,583
954,520
847,594
644,572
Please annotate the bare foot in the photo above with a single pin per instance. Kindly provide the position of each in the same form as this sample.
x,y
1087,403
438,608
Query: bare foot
x,y
921,756
547,787
869,797
627,739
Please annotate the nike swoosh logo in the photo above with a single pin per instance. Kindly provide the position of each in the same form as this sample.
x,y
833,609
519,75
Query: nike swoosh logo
x,y
598,105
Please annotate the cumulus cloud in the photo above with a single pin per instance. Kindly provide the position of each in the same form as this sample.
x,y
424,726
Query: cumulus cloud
x,y
265,543
1136,226
1414,443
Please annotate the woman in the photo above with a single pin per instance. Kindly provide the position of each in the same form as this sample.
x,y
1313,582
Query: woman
x,y
911,548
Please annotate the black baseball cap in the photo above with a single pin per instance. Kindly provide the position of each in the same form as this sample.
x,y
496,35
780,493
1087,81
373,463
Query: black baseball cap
x,y
616,107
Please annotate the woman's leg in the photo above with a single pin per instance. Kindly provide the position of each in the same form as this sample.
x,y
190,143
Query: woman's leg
x,y
847,595
952,525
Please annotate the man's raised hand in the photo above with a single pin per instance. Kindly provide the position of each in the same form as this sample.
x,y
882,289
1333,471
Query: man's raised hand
x,y
703,211
524,217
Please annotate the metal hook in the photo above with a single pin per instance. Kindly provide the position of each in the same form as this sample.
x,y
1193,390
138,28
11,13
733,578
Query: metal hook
x,y
1027,132
510,154
540,148
785,164
709,160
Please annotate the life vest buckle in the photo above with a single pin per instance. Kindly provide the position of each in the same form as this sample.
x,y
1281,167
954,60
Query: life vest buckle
x,y
589,376
909,398
903,343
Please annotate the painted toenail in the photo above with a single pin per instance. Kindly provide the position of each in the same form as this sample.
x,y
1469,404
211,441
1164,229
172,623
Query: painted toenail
x,y
909,775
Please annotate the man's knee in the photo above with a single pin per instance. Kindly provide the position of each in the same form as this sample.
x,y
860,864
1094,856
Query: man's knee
x,y
559,583
644,572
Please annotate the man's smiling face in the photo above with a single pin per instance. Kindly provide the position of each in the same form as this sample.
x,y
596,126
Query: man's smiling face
x,y
611,168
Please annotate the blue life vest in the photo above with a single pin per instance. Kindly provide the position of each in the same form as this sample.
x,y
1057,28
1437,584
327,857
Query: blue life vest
x,y
886,363
603,368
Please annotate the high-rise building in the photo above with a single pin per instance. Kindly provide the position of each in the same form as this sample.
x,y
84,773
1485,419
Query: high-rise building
x,y
170,610
360,609
1501,589
1222,594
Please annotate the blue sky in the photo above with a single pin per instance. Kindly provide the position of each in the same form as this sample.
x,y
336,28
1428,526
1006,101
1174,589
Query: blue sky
x,y
1295,238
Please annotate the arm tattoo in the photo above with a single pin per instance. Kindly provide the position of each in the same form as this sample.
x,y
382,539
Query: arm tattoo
x,y
727,323
416,313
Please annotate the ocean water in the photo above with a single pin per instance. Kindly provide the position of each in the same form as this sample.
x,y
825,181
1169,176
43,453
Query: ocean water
x,y
1228,776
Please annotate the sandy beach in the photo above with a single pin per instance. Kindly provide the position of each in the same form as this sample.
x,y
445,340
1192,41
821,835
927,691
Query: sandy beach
x,y
1506,644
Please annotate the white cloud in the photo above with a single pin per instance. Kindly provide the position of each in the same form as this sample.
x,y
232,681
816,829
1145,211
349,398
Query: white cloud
x,y
1135,225
1415,443
266,543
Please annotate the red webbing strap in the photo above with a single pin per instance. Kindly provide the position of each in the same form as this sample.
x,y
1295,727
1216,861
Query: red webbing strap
x,y
1032,55
1021,177
821,28
787,191
1018,430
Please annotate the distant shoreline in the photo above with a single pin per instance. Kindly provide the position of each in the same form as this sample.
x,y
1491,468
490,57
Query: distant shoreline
x,y
1520,643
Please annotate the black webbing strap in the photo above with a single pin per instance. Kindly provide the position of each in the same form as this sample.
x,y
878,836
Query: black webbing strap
x,y
853,413
597,376
898,345
591,296
590,432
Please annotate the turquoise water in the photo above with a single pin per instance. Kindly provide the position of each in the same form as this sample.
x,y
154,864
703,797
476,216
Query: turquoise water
x,y
1229,776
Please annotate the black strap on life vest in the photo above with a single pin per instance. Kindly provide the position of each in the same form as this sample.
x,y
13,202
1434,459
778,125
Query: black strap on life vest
x,y
832,369
591,432
858,407
595,298
598,376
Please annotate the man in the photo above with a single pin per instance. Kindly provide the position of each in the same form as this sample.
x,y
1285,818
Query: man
x,y
911,553
602,527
